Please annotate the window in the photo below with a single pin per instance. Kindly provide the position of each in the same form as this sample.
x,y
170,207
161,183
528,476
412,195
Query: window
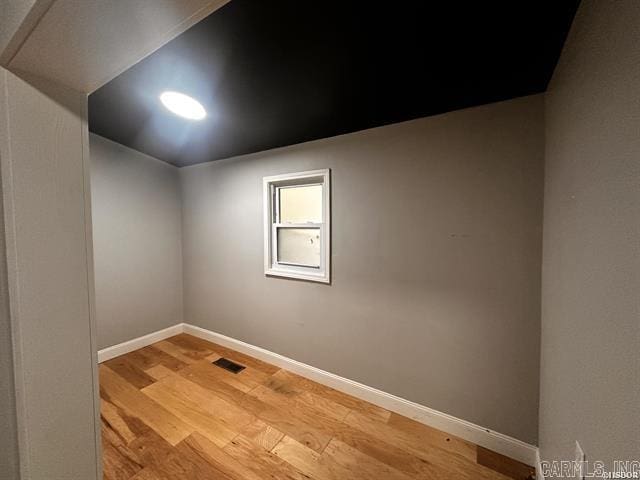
x,y
296,230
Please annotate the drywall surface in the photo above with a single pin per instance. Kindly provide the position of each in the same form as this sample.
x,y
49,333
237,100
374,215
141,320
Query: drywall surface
x,y
84,44
137,241
43,183
12,14
9,436
590,364
436,253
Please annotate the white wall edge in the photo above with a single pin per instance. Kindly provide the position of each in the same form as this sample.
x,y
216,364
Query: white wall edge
x,y
539,472
140,342
498,442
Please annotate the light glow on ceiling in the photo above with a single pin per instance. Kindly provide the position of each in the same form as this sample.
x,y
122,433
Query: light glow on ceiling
x,y
183,105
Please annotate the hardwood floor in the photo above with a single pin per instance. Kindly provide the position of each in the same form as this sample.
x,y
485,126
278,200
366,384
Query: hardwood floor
x,y
169,414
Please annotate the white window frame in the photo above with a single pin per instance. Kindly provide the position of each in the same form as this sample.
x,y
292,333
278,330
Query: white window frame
x,y
271,186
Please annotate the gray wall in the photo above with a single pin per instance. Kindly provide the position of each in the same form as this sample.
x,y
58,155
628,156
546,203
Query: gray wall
x,y
9,436
42,150
137,232
436,260
12,14
590,367
44,158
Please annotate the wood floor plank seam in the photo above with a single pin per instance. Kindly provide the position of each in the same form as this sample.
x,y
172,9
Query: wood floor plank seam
x,y
168,414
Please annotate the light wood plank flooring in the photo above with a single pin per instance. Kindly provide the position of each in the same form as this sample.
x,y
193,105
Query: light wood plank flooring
x,y
168,413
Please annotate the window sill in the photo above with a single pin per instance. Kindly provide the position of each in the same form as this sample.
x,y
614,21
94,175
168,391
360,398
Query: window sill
x,y
320,277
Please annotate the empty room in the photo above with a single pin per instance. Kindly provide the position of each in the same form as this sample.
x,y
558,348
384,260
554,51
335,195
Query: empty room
x,y
248,240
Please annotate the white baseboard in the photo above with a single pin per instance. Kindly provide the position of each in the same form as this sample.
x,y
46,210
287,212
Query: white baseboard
x,y
498,442
471,432
131,345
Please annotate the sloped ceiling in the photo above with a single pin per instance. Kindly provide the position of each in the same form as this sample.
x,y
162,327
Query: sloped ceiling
x,y
279,72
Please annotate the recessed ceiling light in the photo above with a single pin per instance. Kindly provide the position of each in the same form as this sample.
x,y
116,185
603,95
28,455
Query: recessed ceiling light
x,y
183,105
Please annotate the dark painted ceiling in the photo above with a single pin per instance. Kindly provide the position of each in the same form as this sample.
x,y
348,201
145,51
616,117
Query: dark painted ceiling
x,y
277,72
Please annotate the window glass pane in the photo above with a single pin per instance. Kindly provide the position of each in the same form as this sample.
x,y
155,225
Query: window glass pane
x,y
299,246
301,204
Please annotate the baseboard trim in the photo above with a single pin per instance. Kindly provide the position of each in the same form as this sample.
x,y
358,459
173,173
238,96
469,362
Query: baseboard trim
x,y
504,444
131,345
498,442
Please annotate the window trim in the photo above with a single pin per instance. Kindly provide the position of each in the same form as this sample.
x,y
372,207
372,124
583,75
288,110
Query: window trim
x,y
271,266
